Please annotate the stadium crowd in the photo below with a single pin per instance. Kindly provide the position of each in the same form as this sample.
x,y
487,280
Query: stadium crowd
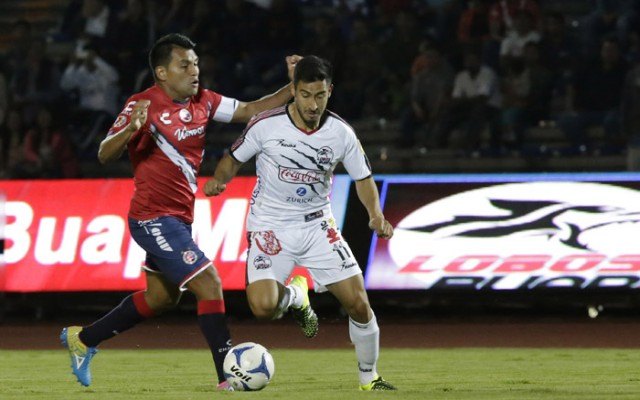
x,y
484,70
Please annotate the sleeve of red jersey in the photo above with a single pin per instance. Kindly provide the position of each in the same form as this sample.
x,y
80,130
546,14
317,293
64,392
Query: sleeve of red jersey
x,y
355,160
123,118
221,108
248,144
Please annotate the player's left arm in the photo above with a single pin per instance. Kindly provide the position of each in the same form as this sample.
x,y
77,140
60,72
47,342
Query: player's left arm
x,y
369,197
245,111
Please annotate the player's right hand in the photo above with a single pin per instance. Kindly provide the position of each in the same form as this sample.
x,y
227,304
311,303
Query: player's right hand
x,y
213,187
139,114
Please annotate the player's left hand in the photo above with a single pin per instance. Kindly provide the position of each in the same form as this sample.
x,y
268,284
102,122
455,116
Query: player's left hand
x,y
291,64
213,187
382,227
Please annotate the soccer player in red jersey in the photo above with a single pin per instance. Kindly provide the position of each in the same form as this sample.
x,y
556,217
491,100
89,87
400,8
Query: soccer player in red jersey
x,y
163,129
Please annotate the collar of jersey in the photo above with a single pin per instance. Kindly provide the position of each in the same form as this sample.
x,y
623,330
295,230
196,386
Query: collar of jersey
x,y
322,121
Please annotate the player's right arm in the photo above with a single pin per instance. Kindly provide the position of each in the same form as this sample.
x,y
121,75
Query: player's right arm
x,y
226,169
245,147
112,147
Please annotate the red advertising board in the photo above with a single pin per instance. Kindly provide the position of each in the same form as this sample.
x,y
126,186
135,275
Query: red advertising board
x,y
72,235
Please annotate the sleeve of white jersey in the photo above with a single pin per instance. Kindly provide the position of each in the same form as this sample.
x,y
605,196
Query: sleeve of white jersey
x,y
225,110
247,145
355,160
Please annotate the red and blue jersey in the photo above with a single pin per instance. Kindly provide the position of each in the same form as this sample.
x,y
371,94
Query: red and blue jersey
x,y
167,151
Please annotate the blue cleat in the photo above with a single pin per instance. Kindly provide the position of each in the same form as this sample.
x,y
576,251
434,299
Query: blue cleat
x,y
80,354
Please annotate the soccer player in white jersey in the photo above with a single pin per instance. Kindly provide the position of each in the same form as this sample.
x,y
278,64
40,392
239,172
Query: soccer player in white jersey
x,y
297,147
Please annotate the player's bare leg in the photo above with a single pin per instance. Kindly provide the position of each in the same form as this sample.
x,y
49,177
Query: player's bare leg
x,y
81,342
269,299
207,287
363,330
263,297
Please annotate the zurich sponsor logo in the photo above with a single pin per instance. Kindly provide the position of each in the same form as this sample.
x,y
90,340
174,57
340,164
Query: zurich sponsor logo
x,y
185,115
299,175
301,191
539,228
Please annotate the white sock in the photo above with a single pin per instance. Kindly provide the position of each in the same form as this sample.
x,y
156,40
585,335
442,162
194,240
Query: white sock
x,y
285,302
296,295
366,338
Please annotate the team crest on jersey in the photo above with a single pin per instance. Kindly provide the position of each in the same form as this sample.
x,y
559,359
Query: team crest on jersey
x,y
262,262
267,242
185,115
324,155
189,257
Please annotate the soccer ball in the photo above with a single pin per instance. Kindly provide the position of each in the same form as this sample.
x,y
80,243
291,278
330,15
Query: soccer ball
x,y
248,366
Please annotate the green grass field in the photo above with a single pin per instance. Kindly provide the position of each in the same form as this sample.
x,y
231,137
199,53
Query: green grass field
x,y
330,374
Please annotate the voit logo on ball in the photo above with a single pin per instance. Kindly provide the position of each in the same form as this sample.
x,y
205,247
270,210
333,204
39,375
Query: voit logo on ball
x,y
523,236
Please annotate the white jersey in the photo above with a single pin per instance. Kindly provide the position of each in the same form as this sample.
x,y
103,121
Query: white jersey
x,y
295,167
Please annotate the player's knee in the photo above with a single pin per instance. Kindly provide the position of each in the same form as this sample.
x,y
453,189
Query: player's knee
x,y
263,309
160,304
359,310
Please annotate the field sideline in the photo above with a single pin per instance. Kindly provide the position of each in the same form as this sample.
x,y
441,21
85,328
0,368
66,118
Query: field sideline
x,y
470,373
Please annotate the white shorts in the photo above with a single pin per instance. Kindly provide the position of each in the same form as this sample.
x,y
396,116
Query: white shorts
x,y
318,246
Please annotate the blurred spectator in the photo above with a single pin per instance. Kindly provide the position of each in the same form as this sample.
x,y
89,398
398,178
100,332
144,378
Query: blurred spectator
x,y
325,41
558,49
430,97
504,12
97,85
358,95
173,15
12,145
630,114
128,38
18,47
526,96
4,98
476,103
38,81
611,18
522,33
473,26
594,97
48,152
86,21
399,49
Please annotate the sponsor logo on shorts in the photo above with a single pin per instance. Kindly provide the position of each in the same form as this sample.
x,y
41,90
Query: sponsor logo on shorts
x,y
262,262
301,191
267,242
347,265
157,233
189,257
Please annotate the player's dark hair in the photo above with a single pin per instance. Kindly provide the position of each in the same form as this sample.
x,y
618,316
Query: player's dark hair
x,y
312,69
160,54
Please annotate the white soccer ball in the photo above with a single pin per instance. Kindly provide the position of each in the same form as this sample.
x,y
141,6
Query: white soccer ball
x,y
248,366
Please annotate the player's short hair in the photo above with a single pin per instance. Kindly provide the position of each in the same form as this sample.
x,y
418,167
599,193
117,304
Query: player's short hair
x,y
312,69
160,54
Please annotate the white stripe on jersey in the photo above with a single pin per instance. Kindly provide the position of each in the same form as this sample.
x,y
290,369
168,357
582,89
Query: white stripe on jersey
x,y
175,157
226,109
